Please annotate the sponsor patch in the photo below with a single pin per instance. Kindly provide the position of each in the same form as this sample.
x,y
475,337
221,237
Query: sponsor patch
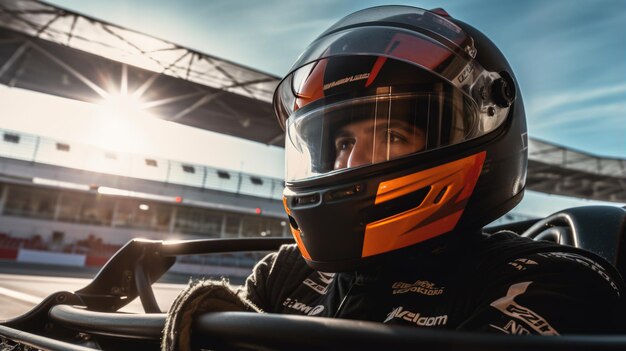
x,y
346,80
521,263
423,287
303,308
465,72
512,328
321,286
509,307
416,318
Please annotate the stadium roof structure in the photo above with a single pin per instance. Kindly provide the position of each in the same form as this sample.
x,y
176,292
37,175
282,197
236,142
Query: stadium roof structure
x,y
555,169
55,51
60,52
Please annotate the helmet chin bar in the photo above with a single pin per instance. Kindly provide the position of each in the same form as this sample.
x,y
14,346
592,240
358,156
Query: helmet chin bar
x,y
450,240
380,214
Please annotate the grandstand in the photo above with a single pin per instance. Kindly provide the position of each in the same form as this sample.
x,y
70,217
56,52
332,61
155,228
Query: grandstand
x,y
64,197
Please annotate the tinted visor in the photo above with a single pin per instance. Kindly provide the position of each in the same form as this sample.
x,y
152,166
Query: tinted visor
x,y
329,136
382,84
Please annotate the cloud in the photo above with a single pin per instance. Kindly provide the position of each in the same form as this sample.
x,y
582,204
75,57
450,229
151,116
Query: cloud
x,y
567,99
597,114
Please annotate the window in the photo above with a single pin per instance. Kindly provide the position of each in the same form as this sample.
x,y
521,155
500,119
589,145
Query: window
x,y
30,202
256,180
11,138
200,221
189,169
263,226
223,174
151,162
97,210
231,227
276,227
124,213
63,147
254,227
70,206
155,216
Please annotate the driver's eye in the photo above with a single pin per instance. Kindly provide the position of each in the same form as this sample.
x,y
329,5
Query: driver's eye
x,y
394,137
342,144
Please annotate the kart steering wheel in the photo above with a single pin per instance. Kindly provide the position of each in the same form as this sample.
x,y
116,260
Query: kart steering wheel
x,y
598,229
558,228
266,331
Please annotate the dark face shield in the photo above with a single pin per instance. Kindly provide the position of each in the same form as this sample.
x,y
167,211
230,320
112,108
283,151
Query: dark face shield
x,y
374,129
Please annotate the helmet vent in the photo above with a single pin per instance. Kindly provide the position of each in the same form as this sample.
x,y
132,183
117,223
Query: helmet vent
x,y
440,195
306,200
293,223
343,192
397,205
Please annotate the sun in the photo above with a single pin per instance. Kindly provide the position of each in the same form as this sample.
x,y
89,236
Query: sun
x,y
120,123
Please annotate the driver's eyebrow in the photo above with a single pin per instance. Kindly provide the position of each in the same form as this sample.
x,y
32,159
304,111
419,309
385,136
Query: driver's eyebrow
x,y
383,124
401,124
342,133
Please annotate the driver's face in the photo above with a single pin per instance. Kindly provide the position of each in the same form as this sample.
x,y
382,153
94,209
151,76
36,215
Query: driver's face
x,y
368,141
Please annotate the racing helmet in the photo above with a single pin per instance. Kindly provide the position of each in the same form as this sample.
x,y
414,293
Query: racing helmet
x,y
403,127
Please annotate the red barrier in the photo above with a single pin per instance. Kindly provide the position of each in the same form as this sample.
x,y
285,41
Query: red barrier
x,y
8,253
96,261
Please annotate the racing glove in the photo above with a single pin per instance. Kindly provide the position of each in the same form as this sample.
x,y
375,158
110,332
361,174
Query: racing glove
x,y
199,297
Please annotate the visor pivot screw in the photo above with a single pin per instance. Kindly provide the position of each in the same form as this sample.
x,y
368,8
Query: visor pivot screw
x,y
491,111
503,90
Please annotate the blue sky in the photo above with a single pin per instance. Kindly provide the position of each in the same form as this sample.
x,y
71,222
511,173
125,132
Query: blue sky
x,y
568,55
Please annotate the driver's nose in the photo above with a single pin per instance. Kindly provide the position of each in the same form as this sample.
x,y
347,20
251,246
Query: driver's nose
x,y
361,154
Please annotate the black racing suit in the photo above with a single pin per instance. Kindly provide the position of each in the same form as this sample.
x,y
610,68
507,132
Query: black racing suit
x,y
499,283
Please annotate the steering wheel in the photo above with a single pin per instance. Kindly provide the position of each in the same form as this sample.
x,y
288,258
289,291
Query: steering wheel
x,y
237,330
558,228
598,229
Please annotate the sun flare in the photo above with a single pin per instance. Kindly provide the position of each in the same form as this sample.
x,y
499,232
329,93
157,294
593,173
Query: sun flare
x,y
120,123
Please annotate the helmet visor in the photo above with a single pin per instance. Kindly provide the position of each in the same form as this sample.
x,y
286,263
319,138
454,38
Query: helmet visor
x,y
383,84
329,136
442,50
